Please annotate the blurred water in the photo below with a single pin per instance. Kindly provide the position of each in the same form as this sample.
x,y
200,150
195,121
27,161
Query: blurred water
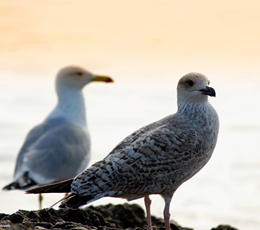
x,y
226,191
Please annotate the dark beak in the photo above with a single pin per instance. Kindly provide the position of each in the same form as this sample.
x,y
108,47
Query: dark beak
x,y
208,91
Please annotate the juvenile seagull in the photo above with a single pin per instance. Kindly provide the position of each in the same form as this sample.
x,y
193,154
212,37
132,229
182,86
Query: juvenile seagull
x,y
155,159
59,147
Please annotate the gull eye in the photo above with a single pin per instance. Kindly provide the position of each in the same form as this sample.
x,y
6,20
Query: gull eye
x,y
190,83
79,73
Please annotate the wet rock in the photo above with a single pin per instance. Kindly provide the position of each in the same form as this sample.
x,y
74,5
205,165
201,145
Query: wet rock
x,y
104,217
224,227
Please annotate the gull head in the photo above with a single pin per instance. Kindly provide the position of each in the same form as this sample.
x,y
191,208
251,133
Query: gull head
x,y
194,88
76,77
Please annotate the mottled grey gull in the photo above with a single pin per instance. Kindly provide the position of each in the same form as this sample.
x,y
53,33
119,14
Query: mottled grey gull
x,y
155,159
59,147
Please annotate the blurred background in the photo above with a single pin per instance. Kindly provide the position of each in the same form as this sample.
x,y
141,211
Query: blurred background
x,y
146,46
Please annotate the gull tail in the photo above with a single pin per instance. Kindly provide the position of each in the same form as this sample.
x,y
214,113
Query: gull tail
x,y
74,201
57,187
23,183
16,185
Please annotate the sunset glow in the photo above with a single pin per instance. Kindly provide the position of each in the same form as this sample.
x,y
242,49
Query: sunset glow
x,y
114,34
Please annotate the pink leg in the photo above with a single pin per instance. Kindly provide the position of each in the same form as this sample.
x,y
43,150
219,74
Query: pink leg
x,y
167,214
147,203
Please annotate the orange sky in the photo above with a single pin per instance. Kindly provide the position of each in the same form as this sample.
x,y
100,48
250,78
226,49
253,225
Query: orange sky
x,y
141,35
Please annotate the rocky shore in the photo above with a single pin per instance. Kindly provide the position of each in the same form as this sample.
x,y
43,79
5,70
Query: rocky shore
x,y
107,217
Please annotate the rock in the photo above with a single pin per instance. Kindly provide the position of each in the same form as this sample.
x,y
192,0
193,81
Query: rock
x,y
104,217
224,227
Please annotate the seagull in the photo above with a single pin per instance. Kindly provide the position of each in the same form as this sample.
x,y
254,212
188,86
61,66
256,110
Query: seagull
x,y
156,159
59,147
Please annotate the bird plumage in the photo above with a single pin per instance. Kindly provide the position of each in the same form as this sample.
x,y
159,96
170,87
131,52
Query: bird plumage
x,y
59,147
157,158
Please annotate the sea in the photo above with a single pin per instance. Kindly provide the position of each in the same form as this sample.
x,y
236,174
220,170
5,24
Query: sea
x,y
225,191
